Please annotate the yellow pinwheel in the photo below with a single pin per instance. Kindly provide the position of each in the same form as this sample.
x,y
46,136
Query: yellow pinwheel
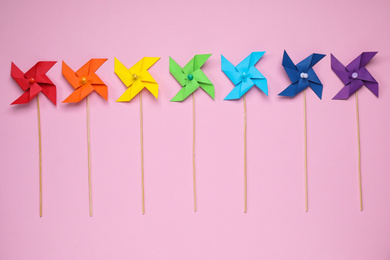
x,y
136,78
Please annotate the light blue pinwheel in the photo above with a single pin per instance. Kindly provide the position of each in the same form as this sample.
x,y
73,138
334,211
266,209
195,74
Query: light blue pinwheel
x,y
244,76
302,75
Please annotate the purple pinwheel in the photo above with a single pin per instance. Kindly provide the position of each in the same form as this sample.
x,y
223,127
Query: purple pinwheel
x,y
355,75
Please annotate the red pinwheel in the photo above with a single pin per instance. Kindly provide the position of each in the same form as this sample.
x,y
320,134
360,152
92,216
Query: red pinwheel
x,y
34,81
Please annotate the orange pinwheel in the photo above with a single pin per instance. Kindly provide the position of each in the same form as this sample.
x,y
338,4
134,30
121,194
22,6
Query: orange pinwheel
x,y
84,81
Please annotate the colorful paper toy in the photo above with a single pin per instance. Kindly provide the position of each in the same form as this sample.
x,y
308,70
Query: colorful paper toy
x,y
355,75
302,75
84,81
137,78
191,77
34,81
244,76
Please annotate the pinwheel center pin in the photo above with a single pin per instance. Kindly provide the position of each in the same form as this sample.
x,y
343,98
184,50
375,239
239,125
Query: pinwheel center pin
x,y
31,80
304,75
355,75
244,76
190,77
135,76
83,80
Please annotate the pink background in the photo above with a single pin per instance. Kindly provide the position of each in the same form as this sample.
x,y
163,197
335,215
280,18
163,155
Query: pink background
x,y
276,225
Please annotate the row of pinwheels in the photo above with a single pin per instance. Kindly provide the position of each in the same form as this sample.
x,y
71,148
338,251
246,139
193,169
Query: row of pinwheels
x,y
244,76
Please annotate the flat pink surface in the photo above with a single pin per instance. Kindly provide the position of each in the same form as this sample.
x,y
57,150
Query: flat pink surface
x,y
276,225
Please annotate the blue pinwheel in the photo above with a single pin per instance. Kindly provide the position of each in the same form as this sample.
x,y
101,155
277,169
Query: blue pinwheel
x,y
244,76
302,75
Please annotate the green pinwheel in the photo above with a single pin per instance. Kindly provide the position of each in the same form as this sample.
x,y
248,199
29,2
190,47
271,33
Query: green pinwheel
x,y
191,77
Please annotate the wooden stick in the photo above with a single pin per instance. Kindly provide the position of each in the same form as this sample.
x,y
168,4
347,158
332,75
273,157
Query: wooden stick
x,y
359,152
193,150
304,111
89,161
40,157
142,153
245,175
